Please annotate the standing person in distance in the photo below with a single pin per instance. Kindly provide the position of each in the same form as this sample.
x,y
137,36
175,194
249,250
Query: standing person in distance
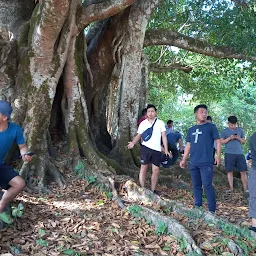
x,y
143,116
199,144
233,138
150,151
169,127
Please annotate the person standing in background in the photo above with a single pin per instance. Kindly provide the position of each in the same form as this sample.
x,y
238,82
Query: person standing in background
x,y
233,138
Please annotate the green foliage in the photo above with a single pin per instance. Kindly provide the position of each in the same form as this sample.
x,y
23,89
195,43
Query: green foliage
x,y
215,82
41,232
80,171
42,242
183,244
218,22
231,230
70,252
247,249
135,210
15,250
193,254
104,189
168,210
161,228
179,105
194,214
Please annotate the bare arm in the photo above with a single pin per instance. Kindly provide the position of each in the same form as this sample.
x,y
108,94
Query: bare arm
x,y
164,139
180,144
134,141
225,141
185,156
218,149
242,140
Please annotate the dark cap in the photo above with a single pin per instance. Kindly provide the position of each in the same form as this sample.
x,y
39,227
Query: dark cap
x,y
5,108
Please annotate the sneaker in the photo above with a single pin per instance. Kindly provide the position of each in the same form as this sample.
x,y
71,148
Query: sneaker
x,y
252,228
4,217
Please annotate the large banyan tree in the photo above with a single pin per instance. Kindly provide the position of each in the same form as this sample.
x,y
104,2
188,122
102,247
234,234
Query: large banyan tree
x,y
75,70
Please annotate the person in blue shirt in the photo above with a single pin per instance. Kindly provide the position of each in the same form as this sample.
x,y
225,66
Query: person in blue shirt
x,y
9,179
169,127
174,138
199,145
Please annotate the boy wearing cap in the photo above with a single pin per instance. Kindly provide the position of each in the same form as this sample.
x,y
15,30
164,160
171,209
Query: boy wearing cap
x,y
9,179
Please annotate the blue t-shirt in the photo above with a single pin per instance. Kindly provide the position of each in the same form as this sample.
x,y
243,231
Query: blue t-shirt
x,y
233,146
12,134
173,137
201,138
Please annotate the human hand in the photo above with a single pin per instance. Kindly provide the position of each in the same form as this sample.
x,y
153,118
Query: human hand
x,y
217,161
167,153
236,136
130,145
27,157
182,164
232,137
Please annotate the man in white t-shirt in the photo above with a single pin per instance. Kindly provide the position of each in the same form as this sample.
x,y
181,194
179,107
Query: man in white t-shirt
x,y
150,151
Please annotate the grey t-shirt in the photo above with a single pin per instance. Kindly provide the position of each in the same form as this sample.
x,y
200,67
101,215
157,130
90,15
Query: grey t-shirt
x,y
253,150
233,146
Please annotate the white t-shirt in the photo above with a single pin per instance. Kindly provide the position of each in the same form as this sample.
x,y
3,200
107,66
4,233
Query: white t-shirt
x,y
155,141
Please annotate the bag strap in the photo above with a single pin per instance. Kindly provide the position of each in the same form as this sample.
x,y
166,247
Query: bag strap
x,y
154,123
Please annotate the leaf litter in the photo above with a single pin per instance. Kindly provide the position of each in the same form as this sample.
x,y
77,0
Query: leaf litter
x,y
80,220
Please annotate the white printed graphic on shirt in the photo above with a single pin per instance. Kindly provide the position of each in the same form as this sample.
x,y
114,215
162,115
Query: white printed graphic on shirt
x,y
196,133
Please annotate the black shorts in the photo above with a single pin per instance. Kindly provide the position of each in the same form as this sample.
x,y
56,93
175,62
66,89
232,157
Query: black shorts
x,y
234,162
6,175
148,155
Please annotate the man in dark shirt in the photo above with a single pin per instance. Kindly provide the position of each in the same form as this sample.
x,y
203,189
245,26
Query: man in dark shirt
x,y
174,138
252,183
199,145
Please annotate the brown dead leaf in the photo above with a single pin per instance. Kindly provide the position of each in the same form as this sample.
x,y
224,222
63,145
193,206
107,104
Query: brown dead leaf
x,y
152,246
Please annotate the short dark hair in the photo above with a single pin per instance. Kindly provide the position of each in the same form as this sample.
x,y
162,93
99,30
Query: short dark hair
x,y
232,119
144,111
200,106
209,118
151,106
169,121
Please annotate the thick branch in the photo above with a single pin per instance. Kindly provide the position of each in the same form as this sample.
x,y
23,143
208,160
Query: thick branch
x,y
48,26
102,10
173,38
153,67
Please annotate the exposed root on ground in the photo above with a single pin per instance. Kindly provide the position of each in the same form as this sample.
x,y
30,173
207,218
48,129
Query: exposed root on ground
x,y
171,225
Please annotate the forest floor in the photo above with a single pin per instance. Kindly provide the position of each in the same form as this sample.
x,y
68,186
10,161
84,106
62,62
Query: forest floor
x,y
81,220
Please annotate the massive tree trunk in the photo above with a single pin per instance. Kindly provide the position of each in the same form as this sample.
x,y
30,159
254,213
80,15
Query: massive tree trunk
x,y
57,83
115,57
